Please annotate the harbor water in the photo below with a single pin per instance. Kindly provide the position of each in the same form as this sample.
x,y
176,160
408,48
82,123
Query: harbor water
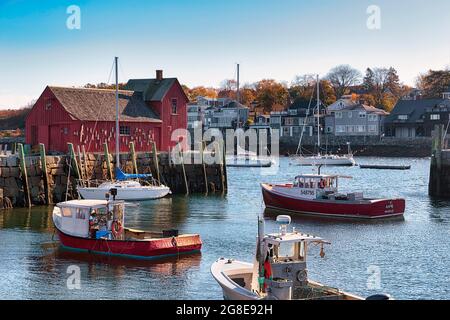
x,y
408,259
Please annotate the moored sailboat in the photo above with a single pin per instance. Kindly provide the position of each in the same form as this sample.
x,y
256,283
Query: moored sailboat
x,y
320,158
128,185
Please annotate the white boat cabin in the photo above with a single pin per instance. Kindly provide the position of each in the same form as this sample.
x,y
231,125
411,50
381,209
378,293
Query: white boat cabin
x,y
90,218
287,254
312,186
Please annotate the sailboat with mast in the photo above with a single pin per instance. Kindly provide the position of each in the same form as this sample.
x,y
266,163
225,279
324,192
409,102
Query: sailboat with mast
x,y
320,158
129,187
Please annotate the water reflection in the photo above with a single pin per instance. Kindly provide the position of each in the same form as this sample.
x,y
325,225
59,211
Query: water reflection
x,y
273,213
35,219
439,210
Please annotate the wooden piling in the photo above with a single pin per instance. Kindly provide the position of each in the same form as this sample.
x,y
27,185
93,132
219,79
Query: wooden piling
x,y
23,167
73,163
133,158
43,155
108,161
156,161
205,176
86,171
186,184
224,168
80,163
218,149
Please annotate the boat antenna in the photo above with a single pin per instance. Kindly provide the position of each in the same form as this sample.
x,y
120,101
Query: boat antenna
x,y
116,59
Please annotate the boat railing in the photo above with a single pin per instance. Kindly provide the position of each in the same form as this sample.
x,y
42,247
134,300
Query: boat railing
x,y
95,183
90,183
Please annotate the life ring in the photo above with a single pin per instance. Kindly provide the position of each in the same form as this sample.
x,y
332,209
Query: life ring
x,y
301,275
116,229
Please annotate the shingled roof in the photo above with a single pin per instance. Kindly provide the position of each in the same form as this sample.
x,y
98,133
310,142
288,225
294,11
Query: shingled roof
x,y
368,109
152,89
414,109
100,105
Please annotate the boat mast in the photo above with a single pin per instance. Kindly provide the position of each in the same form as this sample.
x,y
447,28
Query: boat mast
x,y
116,59
318,114
238,97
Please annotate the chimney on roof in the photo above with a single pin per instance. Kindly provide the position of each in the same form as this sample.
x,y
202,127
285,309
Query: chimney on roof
x,y
159,75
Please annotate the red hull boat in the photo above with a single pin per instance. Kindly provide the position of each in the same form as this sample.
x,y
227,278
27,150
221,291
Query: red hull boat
x,y
317,195
95,226
150,249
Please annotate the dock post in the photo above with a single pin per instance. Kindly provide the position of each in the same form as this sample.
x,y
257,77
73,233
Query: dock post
x,y
86,171
107,160
73,163
45,173
186,184
23,167
436,170
133,158
218,149
80,163
205,176
225,174
155,161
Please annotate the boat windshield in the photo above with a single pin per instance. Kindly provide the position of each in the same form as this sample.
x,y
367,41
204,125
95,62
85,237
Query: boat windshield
x,y
290,251
315,182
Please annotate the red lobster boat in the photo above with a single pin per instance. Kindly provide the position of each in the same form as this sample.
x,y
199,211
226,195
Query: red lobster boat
x,y
317,195
96,226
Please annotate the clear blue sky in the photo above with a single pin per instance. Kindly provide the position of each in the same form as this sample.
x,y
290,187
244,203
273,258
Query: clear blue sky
x,y
199,41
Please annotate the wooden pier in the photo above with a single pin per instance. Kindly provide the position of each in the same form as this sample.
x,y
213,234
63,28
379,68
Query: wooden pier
x,y
439,184
41,179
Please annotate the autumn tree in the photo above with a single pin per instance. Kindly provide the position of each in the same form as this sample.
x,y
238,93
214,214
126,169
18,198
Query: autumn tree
x,y
342,78
200,91
270,94
434,83
304,88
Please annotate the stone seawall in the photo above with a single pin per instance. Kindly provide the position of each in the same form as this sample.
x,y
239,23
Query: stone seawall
x,y
362,146
189,178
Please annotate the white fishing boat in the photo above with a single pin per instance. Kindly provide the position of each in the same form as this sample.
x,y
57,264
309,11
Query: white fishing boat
x,y
129,187
319,158
279,270
326,160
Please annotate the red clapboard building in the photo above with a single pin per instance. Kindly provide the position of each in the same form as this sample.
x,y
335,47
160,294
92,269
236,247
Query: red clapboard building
x,y
150,110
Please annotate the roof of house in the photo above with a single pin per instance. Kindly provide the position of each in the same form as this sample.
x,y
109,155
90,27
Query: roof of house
x,y
414,108
152,89
368,109
231,104
100,105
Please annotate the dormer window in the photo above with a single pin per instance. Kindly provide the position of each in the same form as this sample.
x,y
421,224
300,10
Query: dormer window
x,y
174,104
435,117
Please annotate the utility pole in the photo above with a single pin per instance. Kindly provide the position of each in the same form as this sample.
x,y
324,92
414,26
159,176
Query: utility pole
x,y
238,93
